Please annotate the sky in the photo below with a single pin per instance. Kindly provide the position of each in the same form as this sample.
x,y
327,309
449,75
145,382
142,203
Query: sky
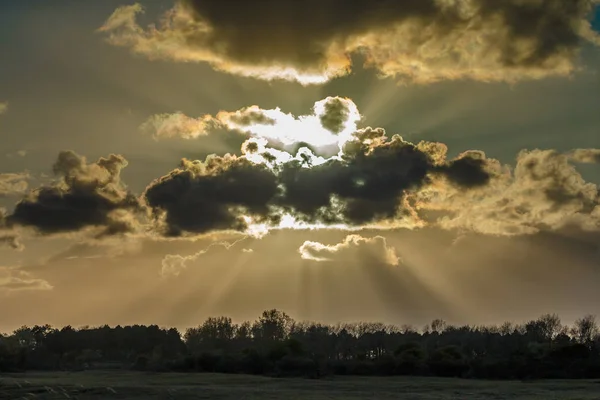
x,y
166,161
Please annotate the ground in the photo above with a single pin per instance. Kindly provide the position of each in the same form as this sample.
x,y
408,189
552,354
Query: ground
x,y
131,385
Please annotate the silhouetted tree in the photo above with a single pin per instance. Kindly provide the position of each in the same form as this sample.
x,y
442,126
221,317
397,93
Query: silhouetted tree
x,y
276,345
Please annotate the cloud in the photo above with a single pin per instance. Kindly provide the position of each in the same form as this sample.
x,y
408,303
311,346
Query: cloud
x,y
174,264
18,153
3,107
201,197
544,192
372,181
585,156
415,40
331,123
12,240
8,237
352,248
15,280
13,183
177,125
365,183
86,195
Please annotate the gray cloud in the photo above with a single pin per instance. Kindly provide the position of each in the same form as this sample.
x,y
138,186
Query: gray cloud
x,y
335,114
416,40
85,195
374,181
352,248
364,184
201,197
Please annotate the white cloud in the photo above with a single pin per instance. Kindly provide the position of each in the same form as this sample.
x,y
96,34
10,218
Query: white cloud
x,y
353,246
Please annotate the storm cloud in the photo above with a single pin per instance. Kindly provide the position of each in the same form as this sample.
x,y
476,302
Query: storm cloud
x,y
312,41
200,197
86,195
372,181
364,184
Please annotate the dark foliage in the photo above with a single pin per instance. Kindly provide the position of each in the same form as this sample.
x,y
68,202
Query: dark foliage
x,y
276,345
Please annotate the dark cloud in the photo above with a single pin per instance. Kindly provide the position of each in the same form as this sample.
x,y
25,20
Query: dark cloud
x,y
335,114
368,181
364,185
200,197
371,177
374,181
85,195
421,40
250,116
468,170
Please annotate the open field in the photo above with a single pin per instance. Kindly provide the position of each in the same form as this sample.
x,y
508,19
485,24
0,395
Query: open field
x,y
131,385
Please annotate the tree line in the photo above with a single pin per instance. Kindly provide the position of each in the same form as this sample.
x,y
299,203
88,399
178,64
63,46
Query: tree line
x,y
276,345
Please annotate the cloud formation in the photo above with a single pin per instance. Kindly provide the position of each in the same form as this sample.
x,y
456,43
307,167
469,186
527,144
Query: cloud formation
x,y
370,180
86,195
3,107
13,183
8,236
177,125
331,123
365,183
585,156
11,239
352,248
174,264
543,192
16,280
415,40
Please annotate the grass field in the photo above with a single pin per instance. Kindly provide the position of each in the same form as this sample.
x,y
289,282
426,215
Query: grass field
x,y
130,385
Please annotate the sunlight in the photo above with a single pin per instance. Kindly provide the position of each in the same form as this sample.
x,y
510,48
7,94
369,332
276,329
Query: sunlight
x,y
276,125
223,284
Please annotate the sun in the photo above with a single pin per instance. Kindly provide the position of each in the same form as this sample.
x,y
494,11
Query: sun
x,y
287,129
